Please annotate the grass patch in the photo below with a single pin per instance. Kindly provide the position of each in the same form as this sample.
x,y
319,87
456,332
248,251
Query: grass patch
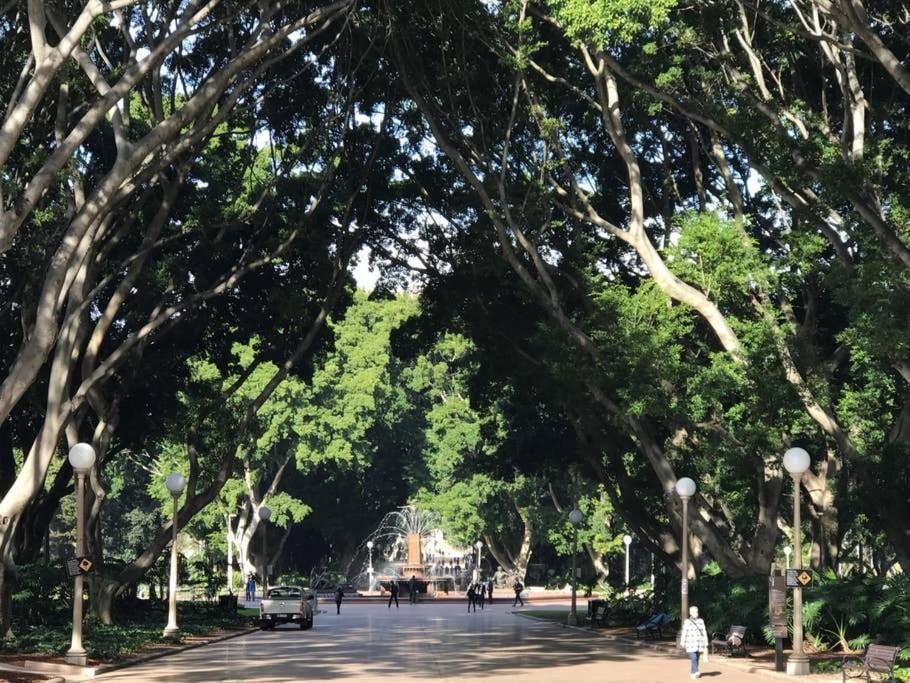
x,y
141,627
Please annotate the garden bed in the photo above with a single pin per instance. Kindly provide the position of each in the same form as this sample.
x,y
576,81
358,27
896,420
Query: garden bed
x,y
138,635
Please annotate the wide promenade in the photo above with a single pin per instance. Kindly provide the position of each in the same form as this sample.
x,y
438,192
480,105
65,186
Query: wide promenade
x,y
438,642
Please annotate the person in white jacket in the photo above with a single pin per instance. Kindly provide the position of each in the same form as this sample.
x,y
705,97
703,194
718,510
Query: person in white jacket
x,y
694,640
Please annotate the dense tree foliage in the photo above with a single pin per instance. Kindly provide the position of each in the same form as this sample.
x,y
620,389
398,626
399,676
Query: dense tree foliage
x,y
645,240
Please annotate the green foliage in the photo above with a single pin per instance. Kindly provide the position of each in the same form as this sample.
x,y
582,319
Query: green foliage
x,y
351,391
42,595
142,626
717,256
604,22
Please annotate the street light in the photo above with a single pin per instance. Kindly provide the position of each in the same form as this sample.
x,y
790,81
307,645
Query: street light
x,y
82,458
477,545
230,554
796,462
627,540
370,569
264,514
175,483
576,518
685,489
788,551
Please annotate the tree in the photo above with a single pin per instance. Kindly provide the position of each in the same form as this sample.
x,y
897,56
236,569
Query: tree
x,y
538,144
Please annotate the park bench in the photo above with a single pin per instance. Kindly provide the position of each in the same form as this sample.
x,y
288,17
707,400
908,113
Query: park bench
x,y
597,613
877,659
732,644
654,625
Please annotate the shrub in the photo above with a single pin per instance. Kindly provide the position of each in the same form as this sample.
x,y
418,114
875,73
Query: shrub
x,y
42,595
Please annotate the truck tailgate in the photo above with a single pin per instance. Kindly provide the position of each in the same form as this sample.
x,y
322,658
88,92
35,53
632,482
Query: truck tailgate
x,y
281,606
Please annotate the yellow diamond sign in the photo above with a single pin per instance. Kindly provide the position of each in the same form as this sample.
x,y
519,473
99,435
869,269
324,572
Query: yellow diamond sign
x,y
85,565
800,578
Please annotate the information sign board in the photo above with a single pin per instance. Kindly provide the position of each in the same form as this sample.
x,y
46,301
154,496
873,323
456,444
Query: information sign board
x,y
78,566
800,578
777,605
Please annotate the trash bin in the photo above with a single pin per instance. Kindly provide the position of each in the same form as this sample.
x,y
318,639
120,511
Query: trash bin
x,y
228,602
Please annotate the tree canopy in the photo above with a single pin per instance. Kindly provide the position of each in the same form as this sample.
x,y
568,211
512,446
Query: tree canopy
x,y
618,243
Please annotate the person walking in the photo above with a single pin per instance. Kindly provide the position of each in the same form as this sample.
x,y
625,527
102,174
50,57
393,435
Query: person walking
x,y
251,588
472,598
393,593
412,589
481,593
339,596
490,590
517,587
694,640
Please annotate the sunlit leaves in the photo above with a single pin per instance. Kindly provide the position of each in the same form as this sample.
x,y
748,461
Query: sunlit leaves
x,y
603,22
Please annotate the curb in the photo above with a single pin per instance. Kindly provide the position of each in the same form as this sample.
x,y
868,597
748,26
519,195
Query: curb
x,y
176,650
669,649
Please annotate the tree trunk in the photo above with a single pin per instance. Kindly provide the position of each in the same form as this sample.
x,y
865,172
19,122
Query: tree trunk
x,y
523,559
103,594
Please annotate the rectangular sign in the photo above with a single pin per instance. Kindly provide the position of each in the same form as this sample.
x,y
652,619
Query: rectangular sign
x,y
800,578
685,586
777,605
78,566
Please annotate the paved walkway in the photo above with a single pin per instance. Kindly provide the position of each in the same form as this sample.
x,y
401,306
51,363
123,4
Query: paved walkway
x,y
424,642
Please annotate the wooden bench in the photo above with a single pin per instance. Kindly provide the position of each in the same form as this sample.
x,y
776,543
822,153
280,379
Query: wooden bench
x,y
733,644
597,613
654,625
877,659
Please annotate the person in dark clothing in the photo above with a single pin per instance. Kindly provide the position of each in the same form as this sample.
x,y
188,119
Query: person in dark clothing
x,y
490,590
412,588
517,587
393,594
472,597
339,596
481,594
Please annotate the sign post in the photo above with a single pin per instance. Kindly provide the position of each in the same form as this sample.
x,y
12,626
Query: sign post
x,y
777,612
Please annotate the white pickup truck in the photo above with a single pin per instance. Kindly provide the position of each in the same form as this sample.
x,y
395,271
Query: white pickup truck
x,y
287,605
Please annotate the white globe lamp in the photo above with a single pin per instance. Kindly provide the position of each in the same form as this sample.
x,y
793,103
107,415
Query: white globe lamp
x,y
796,461
175,483
82,457
685,487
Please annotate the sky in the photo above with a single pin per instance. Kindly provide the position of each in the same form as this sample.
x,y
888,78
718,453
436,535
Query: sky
x,y
364,275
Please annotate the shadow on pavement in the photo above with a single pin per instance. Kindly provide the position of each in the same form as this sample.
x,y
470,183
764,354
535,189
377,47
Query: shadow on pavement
x,y
369,644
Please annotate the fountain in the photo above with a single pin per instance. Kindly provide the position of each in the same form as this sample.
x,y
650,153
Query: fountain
x,y
408,542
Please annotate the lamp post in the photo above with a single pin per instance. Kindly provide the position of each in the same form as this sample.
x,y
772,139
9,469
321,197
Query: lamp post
x,y
576,518
788,551
627,541
265,513
477,545
81,458
230,555
652,571
370,568
685,488
175,483
796,462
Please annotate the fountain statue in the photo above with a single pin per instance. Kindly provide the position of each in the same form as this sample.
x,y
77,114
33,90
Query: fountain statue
x,y
409,542
414,565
